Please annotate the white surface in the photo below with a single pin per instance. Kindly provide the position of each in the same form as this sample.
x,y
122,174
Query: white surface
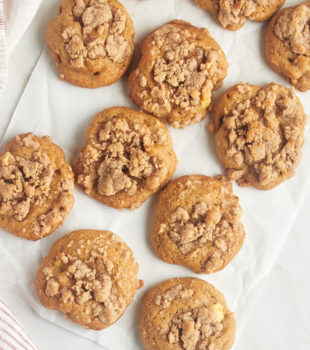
x,y
293,311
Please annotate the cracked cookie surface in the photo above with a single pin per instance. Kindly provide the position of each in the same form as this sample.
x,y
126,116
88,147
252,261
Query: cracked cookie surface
x,y
91,42
36,186
90,276
198,223
128,156
232,14
179,67
186,314
287,45
259,134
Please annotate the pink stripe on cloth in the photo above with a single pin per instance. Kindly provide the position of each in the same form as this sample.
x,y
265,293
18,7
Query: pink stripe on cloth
x,y
18,333
13,339
12,334
6,344
3,53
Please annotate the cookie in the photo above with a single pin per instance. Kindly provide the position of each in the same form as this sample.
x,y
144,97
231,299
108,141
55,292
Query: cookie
x,y
287,45
232,14
180,66
198,223
90,276
259,134
128,156
186,314
36,186
91,42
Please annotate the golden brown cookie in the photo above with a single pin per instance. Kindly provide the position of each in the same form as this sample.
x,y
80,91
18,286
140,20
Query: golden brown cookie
x,y
232,14
90,276
180,66
287,45
186,314
91,41
128,156
259,134
198,223
36,186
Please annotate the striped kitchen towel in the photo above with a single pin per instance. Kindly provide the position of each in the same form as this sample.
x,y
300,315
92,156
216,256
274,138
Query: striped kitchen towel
x,y
3,54
15,17
12,334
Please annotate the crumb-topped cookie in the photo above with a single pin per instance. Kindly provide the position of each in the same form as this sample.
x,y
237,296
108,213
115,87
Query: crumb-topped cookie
x,y
36,186
186,314
91,41
259,134
128,156
90,276
198,223
232,14
287,45
180,66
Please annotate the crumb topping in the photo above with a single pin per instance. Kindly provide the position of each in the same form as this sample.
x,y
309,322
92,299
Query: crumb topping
x,y
235,12
182,73
25,183
119,158
88,281
197,329
293,28
264,134
178,292
96,33
215,222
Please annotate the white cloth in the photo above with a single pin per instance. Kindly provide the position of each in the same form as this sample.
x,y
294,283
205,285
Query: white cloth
x,y
15,17
12,334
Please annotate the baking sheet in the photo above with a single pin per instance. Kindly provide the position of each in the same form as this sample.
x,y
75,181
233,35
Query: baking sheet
x,y
49,106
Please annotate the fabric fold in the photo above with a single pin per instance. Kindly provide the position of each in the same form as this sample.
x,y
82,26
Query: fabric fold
x,y
15,17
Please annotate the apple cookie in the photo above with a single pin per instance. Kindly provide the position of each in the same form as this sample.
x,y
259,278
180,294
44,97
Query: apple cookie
x,y
197,223
90,276
232,14
91,42
287,45
36,186
128,156
259,134
186,314
180,66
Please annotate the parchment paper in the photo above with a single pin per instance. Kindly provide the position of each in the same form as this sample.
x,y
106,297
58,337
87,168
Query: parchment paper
x,y
49,106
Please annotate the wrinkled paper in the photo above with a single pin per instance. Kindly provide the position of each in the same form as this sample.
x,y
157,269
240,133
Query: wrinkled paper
x,y
50,106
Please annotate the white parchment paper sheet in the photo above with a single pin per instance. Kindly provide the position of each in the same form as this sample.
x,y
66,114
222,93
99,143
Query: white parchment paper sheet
x,y
49,106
